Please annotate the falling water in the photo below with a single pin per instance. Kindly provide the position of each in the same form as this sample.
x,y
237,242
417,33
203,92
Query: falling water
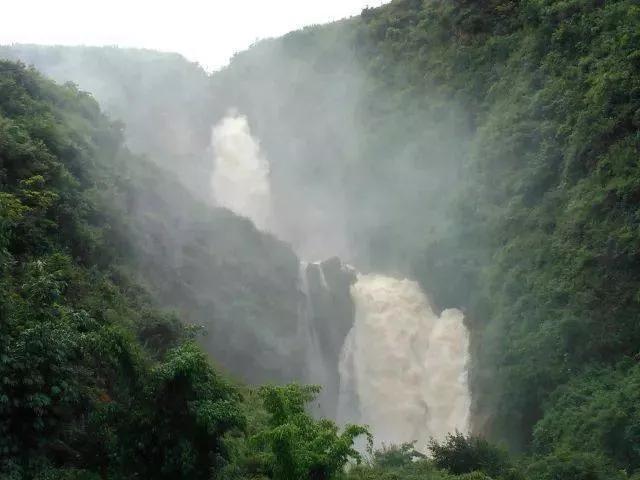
x,y
403,368
240,179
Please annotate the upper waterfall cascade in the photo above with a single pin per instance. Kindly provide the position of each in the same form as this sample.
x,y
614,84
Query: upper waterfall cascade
x,y
373,342
240,179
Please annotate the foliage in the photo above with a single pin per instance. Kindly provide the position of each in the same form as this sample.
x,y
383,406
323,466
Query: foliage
x,y
88,389
170,126
397,462
421,470
532,224
299,446
460,454
595,412
572,466
396,456
96,382
541,249
211,267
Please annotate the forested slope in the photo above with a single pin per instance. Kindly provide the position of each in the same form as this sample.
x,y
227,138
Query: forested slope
x,y
84,220
491,150
547,229
96,380
89,367
213,267
162,98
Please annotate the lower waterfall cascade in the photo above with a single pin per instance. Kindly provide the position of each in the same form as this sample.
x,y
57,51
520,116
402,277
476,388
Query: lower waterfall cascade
x,y
403,368
373,342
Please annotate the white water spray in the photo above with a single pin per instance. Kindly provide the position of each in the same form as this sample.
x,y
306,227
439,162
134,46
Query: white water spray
x,y
403,368
240,179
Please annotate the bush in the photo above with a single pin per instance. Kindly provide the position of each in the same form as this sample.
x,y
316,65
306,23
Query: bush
x,y
460,454
563,465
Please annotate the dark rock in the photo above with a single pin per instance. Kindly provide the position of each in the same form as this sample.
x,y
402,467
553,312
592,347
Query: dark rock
x,y
329,285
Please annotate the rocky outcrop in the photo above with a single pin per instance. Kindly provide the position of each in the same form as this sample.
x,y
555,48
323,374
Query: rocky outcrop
x,y
332,316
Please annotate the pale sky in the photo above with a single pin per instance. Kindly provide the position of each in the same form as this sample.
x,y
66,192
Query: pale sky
x,y
206,31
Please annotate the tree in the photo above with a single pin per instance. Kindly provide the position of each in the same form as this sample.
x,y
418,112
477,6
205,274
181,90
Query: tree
x,y
298,446
177,427
465,454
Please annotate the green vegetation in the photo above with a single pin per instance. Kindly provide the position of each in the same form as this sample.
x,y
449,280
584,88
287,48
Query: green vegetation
x,y
169,125
460,454
543,247
297,446
211,267
504,135
549,237
96,382
93,377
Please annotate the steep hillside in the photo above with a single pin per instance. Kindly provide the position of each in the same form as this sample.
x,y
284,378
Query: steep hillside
x,y
547,216
96,381
218,272
489,149
92,374
214,268
162,98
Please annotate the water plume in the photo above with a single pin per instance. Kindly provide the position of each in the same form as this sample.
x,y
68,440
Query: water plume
x,y
240,179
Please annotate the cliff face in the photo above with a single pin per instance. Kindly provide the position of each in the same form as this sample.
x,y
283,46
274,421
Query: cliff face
x,y
219,273
332,317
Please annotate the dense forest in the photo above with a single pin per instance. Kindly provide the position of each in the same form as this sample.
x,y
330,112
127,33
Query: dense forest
x,y
488,149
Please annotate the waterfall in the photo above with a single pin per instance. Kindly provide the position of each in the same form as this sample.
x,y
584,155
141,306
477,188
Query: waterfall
x,y
240,179
402,367
393,364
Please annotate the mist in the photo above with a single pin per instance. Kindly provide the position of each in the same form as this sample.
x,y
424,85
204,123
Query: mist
x,y
240,179
350,176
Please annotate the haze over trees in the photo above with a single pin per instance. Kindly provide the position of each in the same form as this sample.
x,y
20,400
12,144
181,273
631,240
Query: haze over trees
x,y
487,149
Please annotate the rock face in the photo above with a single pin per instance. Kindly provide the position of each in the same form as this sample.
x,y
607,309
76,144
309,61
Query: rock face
x,y
331,317
216,270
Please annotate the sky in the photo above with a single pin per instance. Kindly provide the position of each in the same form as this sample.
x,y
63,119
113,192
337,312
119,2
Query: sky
x,y
205,31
